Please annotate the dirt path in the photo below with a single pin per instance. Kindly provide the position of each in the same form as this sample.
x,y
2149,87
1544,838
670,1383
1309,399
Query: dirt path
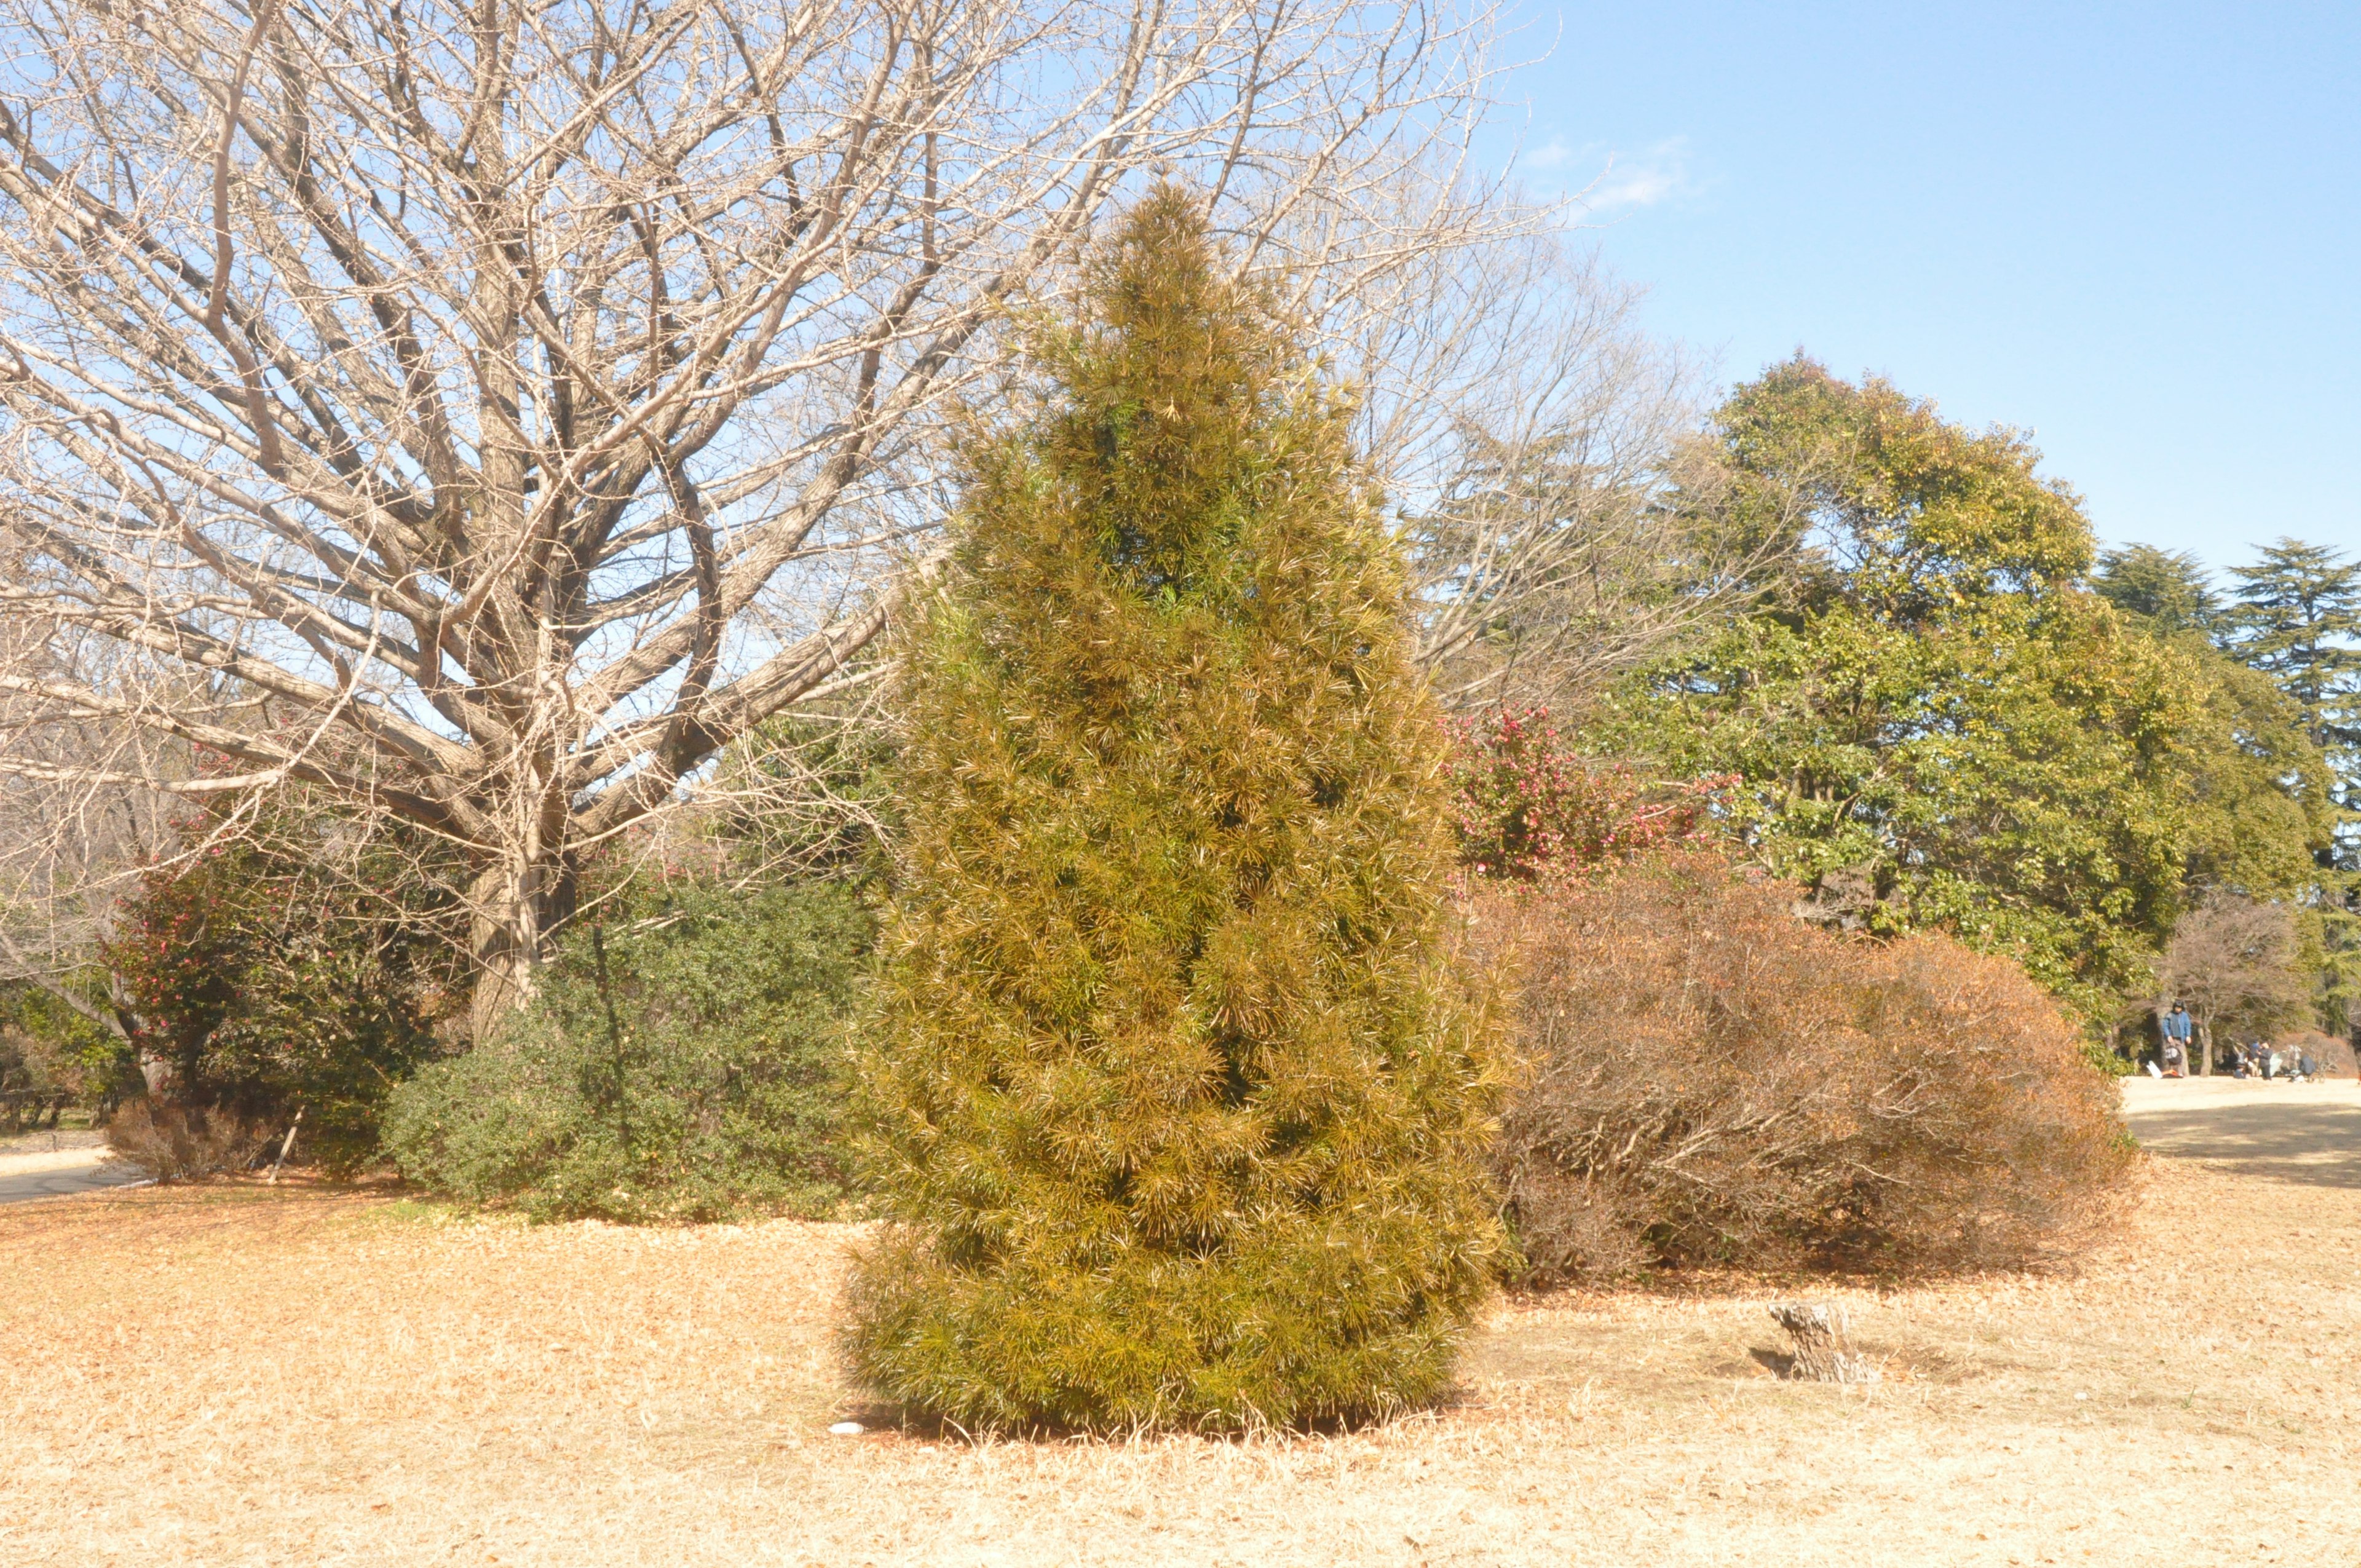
x,y
234,1376
57,1165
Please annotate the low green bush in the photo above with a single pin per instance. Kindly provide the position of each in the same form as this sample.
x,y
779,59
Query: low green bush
x,y
684,1063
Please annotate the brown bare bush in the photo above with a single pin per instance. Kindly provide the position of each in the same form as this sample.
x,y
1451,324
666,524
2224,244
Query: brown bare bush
x,y
1710,1082
183,1142
2332,1056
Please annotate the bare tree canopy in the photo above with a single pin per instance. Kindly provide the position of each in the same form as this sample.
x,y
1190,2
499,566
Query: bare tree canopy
x,y
1567,516
484,412
2237,964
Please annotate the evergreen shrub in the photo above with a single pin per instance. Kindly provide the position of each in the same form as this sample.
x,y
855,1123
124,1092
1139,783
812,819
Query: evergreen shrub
x,y
1177,1093
683,1060
53,1057
307,964
1711,1082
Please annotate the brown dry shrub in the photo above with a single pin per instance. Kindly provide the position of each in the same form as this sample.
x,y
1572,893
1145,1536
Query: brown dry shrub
x,y
2333,1056
181,1143
1709,1080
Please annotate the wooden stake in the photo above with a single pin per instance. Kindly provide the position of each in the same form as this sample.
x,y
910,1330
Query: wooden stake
x,y
288,1144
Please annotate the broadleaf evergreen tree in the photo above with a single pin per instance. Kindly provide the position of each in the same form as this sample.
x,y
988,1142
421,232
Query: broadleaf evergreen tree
x,y
1937,724
1178,1092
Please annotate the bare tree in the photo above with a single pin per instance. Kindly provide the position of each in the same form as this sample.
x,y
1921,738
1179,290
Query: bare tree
x,y
1566,514
486,412
2234,962
65,835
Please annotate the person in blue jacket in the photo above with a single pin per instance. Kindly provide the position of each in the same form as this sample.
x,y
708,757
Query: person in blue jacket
x,y
2176,1028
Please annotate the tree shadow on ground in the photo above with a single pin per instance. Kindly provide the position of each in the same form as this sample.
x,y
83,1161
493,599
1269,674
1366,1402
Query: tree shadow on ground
x,y
2306,1146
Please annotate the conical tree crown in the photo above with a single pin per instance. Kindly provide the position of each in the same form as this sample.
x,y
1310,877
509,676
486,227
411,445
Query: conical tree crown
x,y
1178,1094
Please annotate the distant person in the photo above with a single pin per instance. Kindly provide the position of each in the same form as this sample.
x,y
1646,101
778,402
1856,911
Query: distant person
x,y
2176,1027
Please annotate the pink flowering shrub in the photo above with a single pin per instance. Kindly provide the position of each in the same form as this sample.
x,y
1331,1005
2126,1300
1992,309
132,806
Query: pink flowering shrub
x,y
1528,807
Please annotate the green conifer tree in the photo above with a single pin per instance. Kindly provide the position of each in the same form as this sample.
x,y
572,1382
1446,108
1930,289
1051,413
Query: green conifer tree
x,y
1179,1093
2168,589
2299,621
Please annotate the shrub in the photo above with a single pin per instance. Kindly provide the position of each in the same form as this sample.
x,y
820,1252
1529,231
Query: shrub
x,y
1709,1081
183,1143
1527,806
1178,1092
306,963
682,1061
53,1056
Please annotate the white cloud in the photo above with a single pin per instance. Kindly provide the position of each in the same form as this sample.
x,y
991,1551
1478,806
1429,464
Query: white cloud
x,y
1606,181
1551,154
1646,179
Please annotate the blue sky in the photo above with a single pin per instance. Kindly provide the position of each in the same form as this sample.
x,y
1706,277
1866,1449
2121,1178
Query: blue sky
x,y
2134,229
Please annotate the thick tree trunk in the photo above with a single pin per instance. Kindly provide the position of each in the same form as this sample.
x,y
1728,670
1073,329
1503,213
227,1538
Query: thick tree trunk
x,y
504,983
518,910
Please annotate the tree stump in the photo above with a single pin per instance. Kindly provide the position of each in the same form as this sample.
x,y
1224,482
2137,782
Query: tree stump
x,y
1823,1352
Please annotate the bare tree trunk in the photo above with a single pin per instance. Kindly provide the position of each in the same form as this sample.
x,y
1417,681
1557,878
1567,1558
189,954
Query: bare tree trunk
x,y
503,942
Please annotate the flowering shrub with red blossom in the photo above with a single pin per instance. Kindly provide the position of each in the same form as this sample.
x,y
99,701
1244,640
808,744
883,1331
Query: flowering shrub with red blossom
x,y
1527,806
178,954
302,962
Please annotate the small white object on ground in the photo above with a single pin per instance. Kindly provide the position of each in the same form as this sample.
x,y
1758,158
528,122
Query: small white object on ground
x,y
846,1428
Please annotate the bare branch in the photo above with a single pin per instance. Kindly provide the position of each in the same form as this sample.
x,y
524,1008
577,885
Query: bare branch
x,y
556,392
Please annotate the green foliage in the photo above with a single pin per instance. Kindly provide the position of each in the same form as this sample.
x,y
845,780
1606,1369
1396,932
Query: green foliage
x,y
302,963
1916,517
2168,590
2298,620
683,1060
2260,793
2257,807
1177,1093
1941,726
50,1049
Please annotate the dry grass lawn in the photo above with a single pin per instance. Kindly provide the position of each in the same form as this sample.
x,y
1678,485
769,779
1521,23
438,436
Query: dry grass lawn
x,y
237,1375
